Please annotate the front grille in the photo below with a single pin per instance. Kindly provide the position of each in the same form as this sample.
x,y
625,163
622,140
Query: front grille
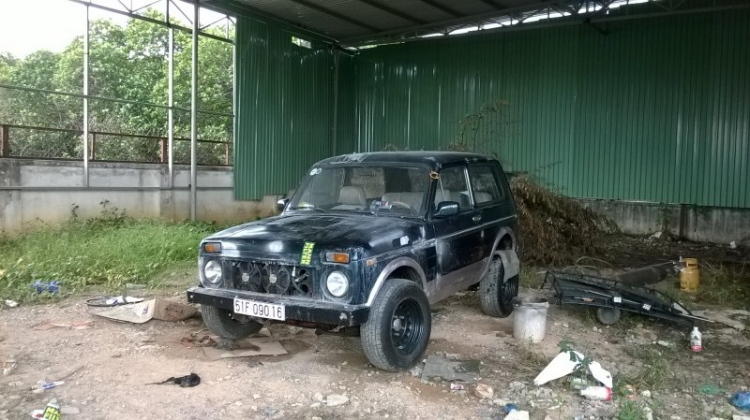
x,y
276,279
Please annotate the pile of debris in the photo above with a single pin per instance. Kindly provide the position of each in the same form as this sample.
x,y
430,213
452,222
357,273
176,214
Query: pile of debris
x,y
555,229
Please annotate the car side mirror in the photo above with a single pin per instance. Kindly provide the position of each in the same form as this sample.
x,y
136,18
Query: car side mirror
x,y
281,204
447,209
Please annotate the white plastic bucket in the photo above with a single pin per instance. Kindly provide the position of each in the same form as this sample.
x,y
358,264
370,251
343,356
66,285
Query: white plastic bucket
x,y
530,318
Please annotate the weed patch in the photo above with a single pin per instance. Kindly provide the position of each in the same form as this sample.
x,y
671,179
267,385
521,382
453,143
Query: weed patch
x,y
108,251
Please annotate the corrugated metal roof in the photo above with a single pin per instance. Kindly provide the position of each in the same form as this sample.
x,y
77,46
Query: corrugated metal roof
x,y
367,22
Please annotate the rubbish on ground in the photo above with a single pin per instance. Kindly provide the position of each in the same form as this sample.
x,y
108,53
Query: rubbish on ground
x,y
455,386
530,319
196,340
336,399
75,325
256,346
37,414
134,286
629,392
695,340
655,236
52,287
566,363
9,366
646,394
738,417
741,400
465,371
689,275
709,389
614,292
138,313
51,411
733,245
106,302
514,413
483,391
578,383
44,385
665,343
602,393
187,381
648,413
11,303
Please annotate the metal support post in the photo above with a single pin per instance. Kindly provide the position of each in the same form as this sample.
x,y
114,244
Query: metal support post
x,y
4,141
234,89
170,112
86,101
194,111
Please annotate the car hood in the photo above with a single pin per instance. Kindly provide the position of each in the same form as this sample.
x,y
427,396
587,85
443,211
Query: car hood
x,y
283,237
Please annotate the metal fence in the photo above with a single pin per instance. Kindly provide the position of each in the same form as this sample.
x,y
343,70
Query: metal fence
x,y
108,147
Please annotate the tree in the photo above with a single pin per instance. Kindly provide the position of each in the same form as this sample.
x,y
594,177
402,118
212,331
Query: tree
x,y
128,63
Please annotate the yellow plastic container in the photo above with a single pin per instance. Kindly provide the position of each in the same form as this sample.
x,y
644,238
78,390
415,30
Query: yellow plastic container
x,y
690,278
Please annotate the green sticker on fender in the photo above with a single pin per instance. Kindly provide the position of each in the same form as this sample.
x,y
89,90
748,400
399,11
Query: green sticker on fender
x,y
307,250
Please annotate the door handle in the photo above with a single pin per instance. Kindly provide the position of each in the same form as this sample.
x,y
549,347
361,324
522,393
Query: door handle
x,y
477,218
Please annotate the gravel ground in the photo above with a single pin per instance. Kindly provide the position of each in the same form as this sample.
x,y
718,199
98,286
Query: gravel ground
x,y
107,369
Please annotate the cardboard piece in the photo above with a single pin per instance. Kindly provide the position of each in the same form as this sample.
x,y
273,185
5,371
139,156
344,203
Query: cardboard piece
x,y
258,346
139,313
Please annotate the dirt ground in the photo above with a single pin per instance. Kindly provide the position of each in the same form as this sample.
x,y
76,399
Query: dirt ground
x,y
107,368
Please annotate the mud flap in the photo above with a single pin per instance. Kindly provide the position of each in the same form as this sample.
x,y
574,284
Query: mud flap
x,y
511,263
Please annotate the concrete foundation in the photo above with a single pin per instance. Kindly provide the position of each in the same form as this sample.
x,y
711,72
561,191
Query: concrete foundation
x,y
38,192
700,224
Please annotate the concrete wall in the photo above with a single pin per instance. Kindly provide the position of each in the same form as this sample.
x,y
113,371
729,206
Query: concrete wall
x,y
35,192
700,224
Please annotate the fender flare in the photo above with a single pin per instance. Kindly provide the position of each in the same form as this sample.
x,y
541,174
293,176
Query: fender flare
x,y
389,269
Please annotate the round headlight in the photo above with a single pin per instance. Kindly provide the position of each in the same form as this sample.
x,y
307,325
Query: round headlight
x,y
212,271
337,284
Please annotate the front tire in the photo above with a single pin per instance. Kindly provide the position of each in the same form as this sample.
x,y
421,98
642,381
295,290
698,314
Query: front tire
x,y
223,323
398,329
495,295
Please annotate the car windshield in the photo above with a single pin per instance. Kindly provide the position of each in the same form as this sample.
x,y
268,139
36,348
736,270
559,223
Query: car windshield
x,y
378,190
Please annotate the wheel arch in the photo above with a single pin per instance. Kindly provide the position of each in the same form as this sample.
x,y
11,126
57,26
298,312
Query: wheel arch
x,y
406,265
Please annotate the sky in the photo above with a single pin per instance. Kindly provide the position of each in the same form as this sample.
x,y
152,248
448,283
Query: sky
x,y
30,25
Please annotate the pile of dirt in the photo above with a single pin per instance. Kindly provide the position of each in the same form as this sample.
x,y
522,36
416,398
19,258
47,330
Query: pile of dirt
x,y
555,230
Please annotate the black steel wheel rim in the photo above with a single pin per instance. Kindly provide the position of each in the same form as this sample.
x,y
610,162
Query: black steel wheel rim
x,y
509,290
407,326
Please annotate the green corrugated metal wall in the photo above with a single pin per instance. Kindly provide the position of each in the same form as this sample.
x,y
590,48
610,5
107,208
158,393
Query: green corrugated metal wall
x,y
656,110
284,108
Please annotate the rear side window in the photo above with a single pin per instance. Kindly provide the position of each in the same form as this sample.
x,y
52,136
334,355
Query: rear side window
x,y
484,184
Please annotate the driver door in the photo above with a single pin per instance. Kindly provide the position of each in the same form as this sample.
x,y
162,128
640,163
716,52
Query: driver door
x,y
458,237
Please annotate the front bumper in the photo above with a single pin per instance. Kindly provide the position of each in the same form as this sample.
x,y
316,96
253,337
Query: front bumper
x,y
298,309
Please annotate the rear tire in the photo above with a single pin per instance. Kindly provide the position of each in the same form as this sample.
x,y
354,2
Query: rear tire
x,y
222,323
398,328
496,296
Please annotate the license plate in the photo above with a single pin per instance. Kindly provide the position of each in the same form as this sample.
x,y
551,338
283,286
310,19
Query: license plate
x,y
259,309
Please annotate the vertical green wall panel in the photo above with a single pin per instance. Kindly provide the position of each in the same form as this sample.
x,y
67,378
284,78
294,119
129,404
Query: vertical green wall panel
x,y
654,110
284,108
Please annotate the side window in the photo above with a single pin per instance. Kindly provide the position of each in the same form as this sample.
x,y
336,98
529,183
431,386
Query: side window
x,y
452,187
484,184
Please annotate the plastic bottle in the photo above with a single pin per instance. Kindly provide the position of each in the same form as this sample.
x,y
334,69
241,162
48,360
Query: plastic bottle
x,y
695,340
597,393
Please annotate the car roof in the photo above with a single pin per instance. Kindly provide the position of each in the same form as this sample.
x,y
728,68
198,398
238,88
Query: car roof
x,y
433,159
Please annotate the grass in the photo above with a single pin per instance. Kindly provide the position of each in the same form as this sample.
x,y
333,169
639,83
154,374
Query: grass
x,y
630,410
108,252
657,371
